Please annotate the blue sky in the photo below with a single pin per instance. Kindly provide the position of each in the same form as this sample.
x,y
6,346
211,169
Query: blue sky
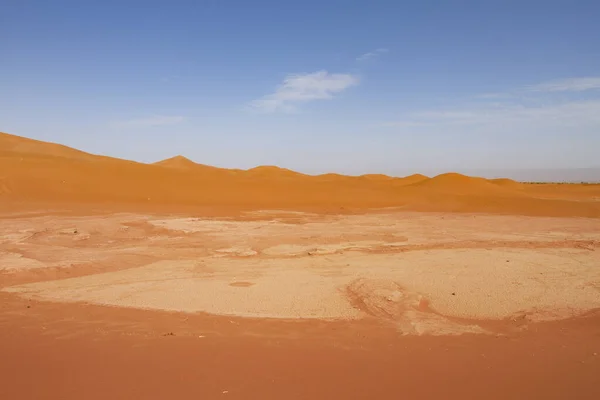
x,y
347,86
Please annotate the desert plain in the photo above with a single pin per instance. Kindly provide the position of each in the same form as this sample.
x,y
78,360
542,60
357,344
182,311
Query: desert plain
x,y
176,279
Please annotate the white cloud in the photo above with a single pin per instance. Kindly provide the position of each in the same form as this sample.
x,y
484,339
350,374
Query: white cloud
x,y
567,85
156,120
302,88
499,117
529,109
531,135
372,54
522,128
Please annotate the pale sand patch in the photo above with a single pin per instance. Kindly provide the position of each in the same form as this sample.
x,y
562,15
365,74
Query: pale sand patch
x,y
477,283
282,212
14,237
412,228
295,249
196,225
237,251
16,262
415,270
181,286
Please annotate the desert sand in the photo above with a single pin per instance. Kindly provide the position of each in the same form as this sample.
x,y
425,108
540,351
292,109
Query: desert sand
x,y
187,280
37,174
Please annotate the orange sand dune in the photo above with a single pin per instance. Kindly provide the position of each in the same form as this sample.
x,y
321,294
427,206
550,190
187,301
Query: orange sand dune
x,y
461,184
178,162
333,177
185,164
506,182
270,171
411,179
376,177
35,172
16,145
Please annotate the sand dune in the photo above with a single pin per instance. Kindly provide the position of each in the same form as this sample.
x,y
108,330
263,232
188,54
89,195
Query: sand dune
x,y
271,171
461,184
415,178
407,180
453,180
16,145
376,177
178,162
333,177
33,171
184,164
506,183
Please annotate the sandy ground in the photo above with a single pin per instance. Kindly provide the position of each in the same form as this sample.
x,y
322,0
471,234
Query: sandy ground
x,y
423,305
423,273
123,280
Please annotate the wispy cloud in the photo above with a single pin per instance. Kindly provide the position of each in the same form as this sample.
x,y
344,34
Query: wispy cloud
x,y
531,109
302,88
153,121
567,85
499,116
372,54
572,85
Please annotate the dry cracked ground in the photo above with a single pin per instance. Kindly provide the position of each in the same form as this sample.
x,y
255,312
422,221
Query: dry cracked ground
x,y
422,273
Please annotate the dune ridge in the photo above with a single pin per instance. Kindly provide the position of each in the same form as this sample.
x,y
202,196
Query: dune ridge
x,y
453,182
506,182
33,171
272,171
177,162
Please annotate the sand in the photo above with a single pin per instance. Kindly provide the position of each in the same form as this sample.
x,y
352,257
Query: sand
x,y
74,351
419,272
176,279
38,174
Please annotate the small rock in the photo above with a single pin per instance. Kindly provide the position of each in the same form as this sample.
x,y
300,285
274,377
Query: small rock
x,y
169,334
30,307
453,294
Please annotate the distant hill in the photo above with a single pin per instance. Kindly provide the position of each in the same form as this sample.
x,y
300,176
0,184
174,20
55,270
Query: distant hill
x,y
569,175
185,164
414,178
51,175
453,182
177,162
271,171
17,145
